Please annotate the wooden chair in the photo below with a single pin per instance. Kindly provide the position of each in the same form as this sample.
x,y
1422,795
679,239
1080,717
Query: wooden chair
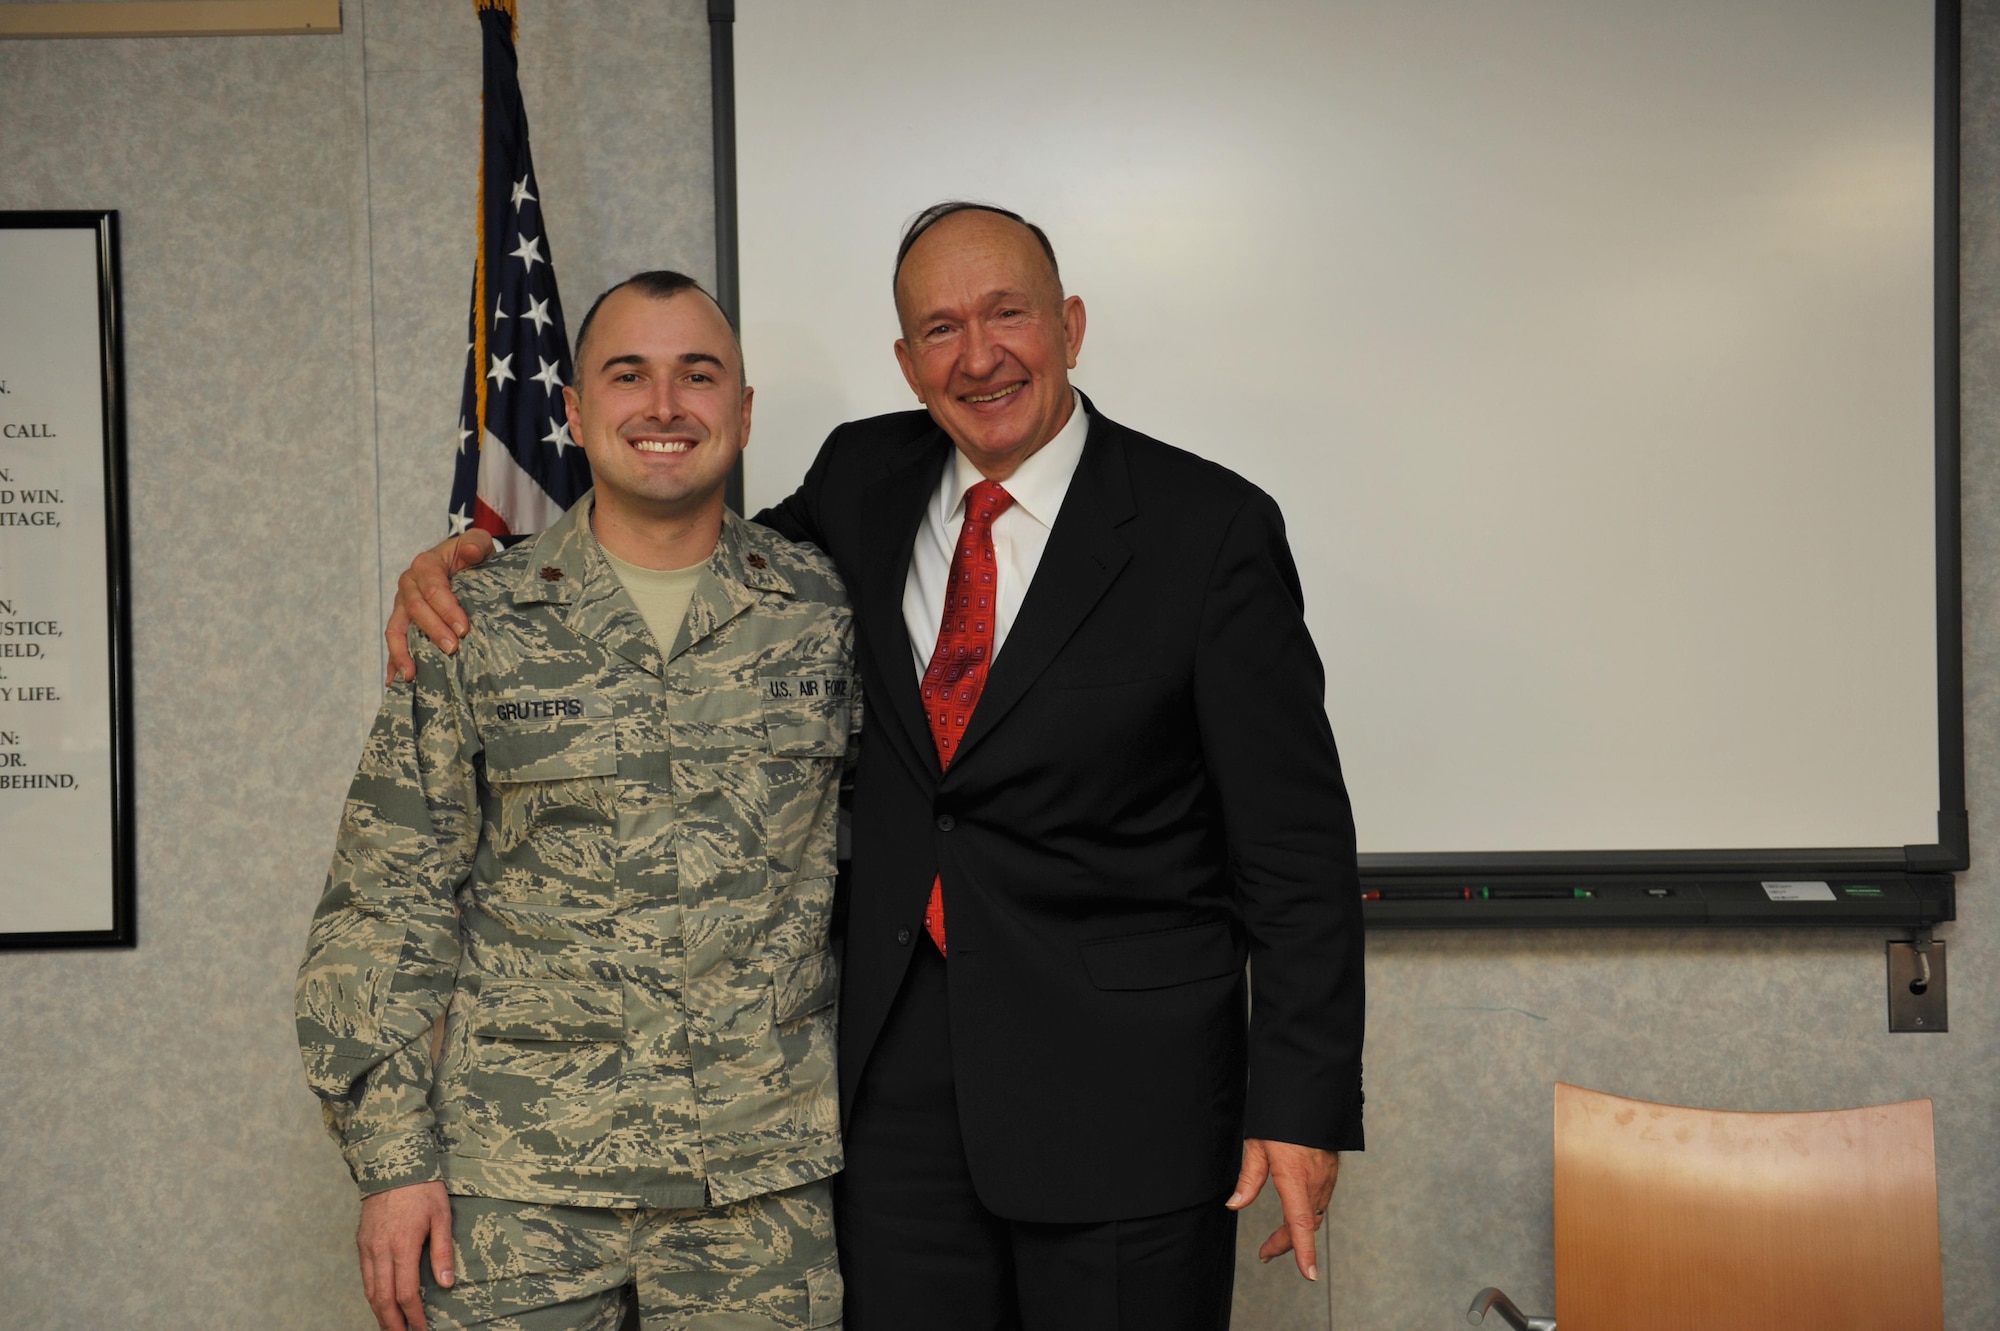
x,y
1669,1219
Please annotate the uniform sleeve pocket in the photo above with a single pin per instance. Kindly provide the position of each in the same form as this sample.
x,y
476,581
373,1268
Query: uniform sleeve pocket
x,y
551,1010
802,986
824,1295
1159,960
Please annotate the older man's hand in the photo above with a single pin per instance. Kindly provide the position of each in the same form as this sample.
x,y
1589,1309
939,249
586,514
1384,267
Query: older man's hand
x,y
394,1228
1304,1177
424,598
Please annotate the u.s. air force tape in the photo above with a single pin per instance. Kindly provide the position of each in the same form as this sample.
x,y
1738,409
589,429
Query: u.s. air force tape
x,y
807,686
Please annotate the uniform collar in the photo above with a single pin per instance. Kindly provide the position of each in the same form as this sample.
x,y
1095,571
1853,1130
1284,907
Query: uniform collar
x,y
565,558
566,566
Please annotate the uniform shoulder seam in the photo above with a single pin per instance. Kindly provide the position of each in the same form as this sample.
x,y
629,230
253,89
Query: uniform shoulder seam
x,y
495,578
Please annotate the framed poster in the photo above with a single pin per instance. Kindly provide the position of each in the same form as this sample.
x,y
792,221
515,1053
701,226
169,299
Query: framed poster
x,y
66,820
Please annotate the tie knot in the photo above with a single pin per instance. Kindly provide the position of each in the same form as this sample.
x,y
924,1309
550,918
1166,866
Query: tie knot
x,y
986,501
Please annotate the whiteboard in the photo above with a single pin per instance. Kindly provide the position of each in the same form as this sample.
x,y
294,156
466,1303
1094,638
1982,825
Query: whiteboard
x,y
1587,347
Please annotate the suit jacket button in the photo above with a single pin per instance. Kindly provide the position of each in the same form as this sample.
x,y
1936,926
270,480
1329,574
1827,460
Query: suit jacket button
x,y
903,937
946,822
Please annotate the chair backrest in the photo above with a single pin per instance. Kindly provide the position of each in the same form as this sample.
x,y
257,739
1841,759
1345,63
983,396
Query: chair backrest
x,y
1669,1219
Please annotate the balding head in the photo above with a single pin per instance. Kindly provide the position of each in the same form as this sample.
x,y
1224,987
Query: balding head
x,y
937,212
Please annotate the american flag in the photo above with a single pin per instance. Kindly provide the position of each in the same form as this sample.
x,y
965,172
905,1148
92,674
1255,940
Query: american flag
x,y
518,469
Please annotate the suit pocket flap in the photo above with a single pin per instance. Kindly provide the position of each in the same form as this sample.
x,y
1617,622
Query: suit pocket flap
x,y
1102,672
802,986
563,752
1157,960
556,1010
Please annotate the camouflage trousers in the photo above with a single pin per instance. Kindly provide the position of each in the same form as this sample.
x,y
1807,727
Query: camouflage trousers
x,y
756,1265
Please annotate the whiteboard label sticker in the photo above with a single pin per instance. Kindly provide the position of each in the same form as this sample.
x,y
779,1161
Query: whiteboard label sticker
x,y
1798,891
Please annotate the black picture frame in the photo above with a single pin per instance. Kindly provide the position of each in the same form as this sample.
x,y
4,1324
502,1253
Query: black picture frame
x,y
1869,886
102,225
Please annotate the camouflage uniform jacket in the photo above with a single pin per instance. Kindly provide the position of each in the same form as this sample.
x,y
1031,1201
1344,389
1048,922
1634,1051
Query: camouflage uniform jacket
x,y
611,871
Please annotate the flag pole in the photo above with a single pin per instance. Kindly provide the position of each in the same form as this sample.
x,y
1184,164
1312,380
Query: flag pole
x,y
722,104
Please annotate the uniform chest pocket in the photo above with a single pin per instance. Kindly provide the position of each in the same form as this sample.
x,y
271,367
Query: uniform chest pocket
x,y
807,716
555,782
806,723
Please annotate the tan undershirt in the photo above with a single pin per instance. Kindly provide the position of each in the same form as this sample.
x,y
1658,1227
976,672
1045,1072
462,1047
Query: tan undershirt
x,y
662,596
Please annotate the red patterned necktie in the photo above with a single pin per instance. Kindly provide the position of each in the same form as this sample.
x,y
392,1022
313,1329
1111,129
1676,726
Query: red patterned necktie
x,y
957,672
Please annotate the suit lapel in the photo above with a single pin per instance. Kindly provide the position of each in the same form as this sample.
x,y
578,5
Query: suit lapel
x,y
892,509
1082,559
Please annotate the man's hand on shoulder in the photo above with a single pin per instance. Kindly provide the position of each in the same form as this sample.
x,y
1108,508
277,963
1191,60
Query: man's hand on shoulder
x,y
424,598
394,1227
1304,1177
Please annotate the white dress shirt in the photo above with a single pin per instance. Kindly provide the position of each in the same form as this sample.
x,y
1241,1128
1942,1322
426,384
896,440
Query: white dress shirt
x,y
1019,535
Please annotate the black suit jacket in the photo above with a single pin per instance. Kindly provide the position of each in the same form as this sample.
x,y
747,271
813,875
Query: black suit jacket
x,y
1147,796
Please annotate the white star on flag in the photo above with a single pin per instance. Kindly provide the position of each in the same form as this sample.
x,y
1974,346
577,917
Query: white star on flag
x,y
498,312
538,314
529,251
550,378
500,374
464,434
559,436
460,520
521,192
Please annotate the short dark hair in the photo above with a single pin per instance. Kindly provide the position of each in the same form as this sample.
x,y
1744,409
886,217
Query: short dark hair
x,y
937,212
659,283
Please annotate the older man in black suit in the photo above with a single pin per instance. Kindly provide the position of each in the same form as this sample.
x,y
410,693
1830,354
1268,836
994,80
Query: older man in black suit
x,y
1096,778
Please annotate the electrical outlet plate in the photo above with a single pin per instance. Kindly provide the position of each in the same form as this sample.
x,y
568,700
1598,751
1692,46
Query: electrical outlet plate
x,y
1915,1005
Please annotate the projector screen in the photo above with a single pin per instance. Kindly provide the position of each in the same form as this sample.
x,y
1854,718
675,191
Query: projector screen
x,y
1587,347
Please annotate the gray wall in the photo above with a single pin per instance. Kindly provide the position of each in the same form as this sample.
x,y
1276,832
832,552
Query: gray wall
x,y
296,217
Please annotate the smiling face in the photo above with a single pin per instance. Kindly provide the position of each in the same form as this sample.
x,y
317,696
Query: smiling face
x,y
988,338
660,408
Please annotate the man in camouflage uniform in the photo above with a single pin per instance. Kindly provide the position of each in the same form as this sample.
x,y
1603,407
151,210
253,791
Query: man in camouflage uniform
x,y
602,849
